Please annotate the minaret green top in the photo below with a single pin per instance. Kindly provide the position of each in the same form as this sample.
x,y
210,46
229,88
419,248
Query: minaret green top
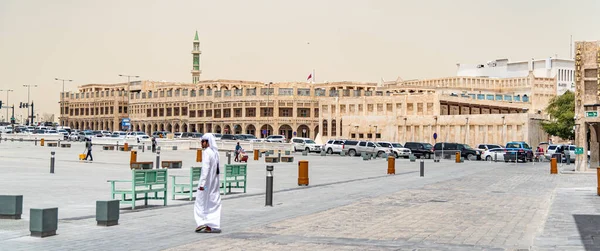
x,y
196,37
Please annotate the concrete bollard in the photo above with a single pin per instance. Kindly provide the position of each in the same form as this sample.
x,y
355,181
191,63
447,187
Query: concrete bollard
x,y
175,148
304,153
412,157
323,153
391,165
342,153
287,152
11,206
303,173
43,222
553,168
107,213
365,156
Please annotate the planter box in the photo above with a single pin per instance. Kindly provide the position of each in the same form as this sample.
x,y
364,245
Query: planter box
x,y
107,213
43,222
11,206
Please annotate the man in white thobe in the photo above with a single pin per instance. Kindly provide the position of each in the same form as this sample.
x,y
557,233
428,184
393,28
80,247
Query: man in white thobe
x,y
207,209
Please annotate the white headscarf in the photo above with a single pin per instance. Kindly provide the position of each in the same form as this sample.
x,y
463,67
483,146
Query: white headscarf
x,y
212,142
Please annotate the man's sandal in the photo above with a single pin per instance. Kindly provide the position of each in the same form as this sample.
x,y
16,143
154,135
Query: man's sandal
x,y
201,228
210,230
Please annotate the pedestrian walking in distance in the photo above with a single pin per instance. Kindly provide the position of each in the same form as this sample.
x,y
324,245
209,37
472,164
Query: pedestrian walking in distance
x,y
207,209
88,146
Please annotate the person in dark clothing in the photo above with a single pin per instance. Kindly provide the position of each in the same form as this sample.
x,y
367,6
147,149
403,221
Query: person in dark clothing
x,y
88,146
153,144
238,149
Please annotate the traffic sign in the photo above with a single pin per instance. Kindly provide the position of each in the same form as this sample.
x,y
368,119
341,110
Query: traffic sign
x,y
592,114
579,150
434,135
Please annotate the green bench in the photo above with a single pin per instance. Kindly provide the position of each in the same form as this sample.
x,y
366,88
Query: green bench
x,y
189,187
232,177
142,182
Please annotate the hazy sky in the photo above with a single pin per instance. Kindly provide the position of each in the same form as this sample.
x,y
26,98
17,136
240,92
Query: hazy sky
x,y
273,40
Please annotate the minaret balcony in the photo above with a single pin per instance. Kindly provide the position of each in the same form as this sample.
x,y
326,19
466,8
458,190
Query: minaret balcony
x,y
196,52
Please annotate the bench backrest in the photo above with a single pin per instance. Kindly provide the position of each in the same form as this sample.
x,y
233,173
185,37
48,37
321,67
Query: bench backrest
x,y
235,170
149,177
195,173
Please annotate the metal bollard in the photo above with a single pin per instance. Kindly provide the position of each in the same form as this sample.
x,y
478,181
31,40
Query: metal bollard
x,y
199,155
303,173
52,162
35,140
279,156
422,168
133,157
255,154
228,154
157,159
143,147
269,195
117,147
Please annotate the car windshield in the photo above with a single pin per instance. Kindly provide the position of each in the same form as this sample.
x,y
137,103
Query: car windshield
x,y
396,145
468,146
308,141
526,146
428,146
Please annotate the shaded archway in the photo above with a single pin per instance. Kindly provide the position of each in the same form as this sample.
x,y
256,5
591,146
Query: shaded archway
x,y
184,127
237,129
251,129
316,131
177,128
218,129
265,131
227,129
169,128
286,131
333,128
303,131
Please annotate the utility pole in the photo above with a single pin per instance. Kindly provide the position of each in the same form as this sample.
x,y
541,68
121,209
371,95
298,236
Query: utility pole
x,y
62,99
128,89
28,93
7,92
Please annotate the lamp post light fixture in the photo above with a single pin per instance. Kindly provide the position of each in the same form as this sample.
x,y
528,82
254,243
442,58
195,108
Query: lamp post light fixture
x,y
128,90
7,92
62,98
28,93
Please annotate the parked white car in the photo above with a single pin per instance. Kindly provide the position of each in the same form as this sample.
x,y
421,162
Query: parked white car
x,y
301,144
334,146
276,138
494,154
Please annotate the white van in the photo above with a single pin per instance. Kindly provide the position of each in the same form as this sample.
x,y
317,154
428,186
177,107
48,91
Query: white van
x,y
301,144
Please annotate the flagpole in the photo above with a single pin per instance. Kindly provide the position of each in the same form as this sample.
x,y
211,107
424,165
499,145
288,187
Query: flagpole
x,y
313,76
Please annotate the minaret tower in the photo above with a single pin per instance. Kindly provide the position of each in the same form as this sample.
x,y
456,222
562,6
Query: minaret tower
x,y
196,56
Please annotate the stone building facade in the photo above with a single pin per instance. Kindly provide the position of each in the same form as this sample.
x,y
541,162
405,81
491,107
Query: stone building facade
x,y
587,93
460,109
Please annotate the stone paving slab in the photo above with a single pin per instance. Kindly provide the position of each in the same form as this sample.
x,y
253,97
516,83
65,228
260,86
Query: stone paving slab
x,y
76,185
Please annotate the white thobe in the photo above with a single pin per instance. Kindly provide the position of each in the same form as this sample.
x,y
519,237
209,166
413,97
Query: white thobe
x,y
207,209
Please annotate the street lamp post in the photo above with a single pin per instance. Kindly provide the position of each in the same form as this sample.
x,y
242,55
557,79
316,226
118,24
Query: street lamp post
x,y
62,98
28,92
7,91
128,89
268,93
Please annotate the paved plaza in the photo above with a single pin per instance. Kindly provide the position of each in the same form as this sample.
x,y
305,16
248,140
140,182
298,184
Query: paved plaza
x,y
350,204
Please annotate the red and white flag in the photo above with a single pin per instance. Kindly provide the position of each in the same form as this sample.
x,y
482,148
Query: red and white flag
x,y
309,77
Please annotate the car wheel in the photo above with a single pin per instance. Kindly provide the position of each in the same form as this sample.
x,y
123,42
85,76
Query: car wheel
x,y
396,155
427,156
470,156
329,151
352,152
307,149
295,150
380,154
488,158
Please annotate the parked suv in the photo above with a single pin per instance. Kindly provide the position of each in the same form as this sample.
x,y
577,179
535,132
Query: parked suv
x,y
518,150
466,151
397,149
334,146
366,147
485,147
228,137
305,144
420,149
